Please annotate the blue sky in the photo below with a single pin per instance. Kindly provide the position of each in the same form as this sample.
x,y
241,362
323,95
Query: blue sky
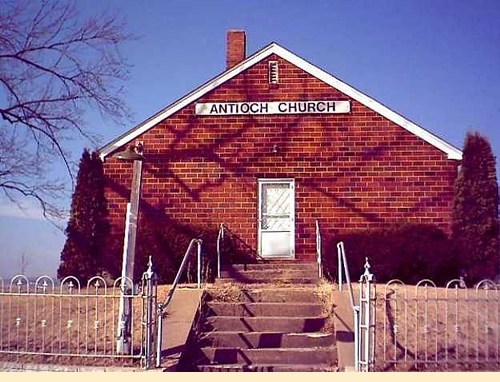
x,y
436,62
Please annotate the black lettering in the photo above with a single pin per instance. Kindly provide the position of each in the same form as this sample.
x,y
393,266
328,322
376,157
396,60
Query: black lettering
x,y
330,106
222,108
244,108
264,107
320,107
282,107
311,107
213,109
292,107
254,108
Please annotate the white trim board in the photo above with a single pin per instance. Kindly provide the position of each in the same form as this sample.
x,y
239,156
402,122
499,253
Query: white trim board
x,y
273,48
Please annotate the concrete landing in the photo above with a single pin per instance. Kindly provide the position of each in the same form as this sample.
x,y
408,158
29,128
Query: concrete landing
x,y
181,314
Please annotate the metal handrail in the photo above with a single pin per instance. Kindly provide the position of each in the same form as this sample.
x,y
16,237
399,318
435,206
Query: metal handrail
x,y
220,238
318,250
356,309
342,264
162,306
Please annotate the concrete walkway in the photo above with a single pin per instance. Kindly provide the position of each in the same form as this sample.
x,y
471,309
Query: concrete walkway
x,y
181,313
344,330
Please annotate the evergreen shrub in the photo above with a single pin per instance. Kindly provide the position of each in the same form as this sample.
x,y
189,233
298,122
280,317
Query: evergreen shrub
x,y
476,225
408,252
83,254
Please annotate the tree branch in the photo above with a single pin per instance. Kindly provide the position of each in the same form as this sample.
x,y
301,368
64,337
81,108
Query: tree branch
x,y
53,66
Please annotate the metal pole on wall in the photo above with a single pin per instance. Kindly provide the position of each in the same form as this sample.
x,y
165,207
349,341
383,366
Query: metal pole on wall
x,y
123,343
134,211
124,310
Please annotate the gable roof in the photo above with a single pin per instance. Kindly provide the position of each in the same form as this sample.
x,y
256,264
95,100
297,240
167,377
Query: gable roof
x,y
273,48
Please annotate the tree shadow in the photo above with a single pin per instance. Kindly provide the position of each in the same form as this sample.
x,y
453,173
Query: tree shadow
x,y
195,156
403,352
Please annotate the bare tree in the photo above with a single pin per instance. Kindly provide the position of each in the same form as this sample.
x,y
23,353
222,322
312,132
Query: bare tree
x,y
54,67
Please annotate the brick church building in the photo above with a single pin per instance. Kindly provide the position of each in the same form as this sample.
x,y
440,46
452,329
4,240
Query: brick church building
x,y
273,144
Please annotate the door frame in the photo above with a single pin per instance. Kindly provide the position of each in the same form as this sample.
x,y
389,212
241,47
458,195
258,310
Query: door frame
x,y
260,183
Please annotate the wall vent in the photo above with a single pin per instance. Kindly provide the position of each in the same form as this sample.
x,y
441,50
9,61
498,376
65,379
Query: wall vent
x,y
273,73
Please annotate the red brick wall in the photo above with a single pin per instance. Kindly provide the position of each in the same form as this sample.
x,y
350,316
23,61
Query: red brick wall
x,y
236,46
352,171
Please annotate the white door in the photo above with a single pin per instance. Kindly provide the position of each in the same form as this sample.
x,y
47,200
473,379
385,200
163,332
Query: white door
x,y
276,231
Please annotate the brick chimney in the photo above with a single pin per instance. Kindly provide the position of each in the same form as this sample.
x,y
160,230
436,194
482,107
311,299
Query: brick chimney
x,y
236,47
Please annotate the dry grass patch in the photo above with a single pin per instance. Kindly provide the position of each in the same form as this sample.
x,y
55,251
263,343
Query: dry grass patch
x,y
324,293
226,292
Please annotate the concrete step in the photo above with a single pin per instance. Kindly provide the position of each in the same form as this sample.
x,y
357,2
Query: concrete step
x,y
267,327
270,275
272,265
265,324
313,356
255,309
291,294
292,281
262,340
268,368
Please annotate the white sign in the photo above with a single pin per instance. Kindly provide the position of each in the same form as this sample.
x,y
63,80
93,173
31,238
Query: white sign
x,y
275,107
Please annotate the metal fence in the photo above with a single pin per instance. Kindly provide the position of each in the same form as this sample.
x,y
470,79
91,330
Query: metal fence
x,y
49,319
423,327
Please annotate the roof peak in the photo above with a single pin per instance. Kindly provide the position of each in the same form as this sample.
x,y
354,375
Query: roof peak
x,y
275,48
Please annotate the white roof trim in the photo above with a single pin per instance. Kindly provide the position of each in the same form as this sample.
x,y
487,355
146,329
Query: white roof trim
x,y
450,150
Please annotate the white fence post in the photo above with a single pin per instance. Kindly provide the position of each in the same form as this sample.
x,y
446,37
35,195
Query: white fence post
x,y
357,347
366,339
149,282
